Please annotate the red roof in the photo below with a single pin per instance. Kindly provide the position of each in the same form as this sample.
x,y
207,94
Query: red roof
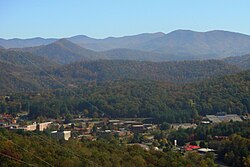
x,y
191,147
6,116
188,149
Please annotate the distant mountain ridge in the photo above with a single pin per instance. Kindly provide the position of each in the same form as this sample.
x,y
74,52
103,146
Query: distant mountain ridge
x,y
176,45
62,51
21,43
84,41
211,44
128,42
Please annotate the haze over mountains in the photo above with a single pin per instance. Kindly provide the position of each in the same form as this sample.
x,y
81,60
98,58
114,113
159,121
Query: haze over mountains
x,y
62,51
177,45
23,71
143,57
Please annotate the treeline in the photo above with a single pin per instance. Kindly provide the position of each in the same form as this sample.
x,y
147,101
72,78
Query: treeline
x,y
131,98
40,150
234,152
208,132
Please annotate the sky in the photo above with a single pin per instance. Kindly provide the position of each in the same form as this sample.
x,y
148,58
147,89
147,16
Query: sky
x,y
104,18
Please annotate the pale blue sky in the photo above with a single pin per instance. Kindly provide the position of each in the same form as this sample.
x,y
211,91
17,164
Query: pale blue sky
x,y
103,18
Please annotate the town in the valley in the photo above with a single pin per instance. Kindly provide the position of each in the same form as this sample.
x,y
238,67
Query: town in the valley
x,y
144,132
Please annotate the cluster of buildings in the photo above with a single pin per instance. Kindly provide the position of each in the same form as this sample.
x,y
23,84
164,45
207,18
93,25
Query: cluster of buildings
x,y
30,127
121,129
195,148
91,129
6,120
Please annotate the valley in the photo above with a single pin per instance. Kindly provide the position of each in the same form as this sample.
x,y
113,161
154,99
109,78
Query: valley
x,y
119,96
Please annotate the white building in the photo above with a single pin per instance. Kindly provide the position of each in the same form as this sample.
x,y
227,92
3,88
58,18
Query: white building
x,y
43,126
30,127
61,135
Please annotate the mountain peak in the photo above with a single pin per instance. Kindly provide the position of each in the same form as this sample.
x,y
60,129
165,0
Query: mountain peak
x,y
65,43
62,41
63,51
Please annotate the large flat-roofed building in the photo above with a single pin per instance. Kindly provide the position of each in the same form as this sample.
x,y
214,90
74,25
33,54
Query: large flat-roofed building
x,y
223,118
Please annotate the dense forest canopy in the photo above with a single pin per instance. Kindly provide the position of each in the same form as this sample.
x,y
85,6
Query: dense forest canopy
x,y
22,71
142,98
34,149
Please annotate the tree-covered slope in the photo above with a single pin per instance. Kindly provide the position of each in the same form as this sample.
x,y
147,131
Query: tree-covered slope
x,y
184,71
144,98
130,54
174,103
31,149
45,74
20,71
25,60
239,61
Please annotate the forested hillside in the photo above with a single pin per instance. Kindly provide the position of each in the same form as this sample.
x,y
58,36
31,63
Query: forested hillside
x,y
26,60
140,98
32,149
184,71
130,54
239,61
12,79
173,103
20,71
25,71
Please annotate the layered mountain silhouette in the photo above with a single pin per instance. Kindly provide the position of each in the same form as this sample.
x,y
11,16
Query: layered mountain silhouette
x,y
21,43
63,52
212,44
22,71
177,45
128,42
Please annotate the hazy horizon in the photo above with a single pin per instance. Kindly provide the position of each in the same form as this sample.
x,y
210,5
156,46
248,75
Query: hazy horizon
x,y
121,36
60,19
